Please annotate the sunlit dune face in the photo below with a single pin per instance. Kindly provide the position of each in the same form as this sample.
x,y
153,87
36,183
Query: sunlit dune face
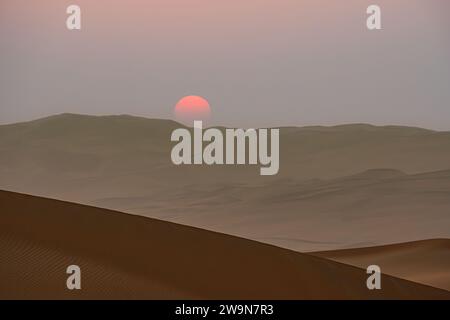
x,y
192,108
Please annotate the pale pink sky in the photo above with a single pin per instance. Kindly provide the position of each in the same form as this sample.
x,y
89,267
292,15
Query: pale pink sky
x,y
258,62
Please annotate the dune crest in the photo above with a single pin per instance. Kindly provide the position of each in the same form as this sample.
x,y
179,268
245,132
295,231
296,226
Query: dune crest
x,y
124,256
425,261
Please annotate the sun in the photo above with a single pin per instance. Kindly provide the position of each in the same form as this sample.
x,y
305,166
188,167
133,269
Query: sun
x,y
192,108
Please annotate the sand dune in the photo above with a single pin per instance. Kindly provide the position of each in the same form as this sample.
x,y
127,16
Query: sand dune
x,y
375,207
71,144
426,262
124,256
338,187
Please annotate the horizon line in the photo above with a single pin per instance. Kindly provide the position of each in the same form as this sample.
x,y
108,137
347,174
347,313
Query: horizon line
x,y
222,125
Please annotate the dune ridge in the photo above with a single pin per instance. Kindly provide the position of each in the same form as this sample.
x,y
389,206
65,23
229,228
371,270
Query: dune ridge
x,y
425,261
125,256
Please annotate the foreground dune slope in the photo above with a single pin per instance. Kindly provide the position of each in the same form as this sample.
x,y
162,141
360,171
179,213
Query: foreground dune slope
x,y
426,261
124,256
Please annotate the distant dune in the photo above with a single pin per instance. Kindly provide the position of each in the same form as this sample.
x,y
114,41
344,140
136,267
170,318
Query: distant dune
x,y
338,187
127,144
426,262
125,256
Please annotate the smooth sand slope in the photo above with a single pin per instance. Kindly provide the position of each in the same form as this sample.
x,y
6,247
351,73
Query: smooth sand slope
x,y
338,187
426,262
124,256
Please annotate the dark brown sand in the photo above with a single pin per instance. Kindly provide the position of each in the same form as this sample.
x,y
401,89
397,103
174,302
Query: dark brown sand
x,y
125,256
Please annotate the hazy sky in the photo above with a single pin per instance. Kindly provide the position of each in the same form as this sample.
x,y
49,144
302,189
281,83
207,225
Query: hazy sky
x,y
258,62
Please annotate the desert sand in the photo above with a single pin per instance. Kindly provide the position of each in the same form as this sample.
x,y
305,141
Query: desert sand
x,y
338,187
125,256
426,261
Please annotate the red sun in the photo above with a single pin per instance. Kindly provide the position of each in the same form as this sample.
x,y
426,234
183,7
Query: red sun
x,y
192,108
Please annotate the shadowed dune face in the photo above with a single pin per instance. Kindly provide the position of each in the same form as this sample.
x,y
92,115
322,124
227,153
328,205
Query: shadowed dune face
x,y
426,262
330,192
124,256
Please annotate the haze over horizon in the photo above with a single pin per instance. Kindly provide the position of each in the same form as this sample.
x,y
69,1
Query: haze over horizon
x,y
218,125
258,63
